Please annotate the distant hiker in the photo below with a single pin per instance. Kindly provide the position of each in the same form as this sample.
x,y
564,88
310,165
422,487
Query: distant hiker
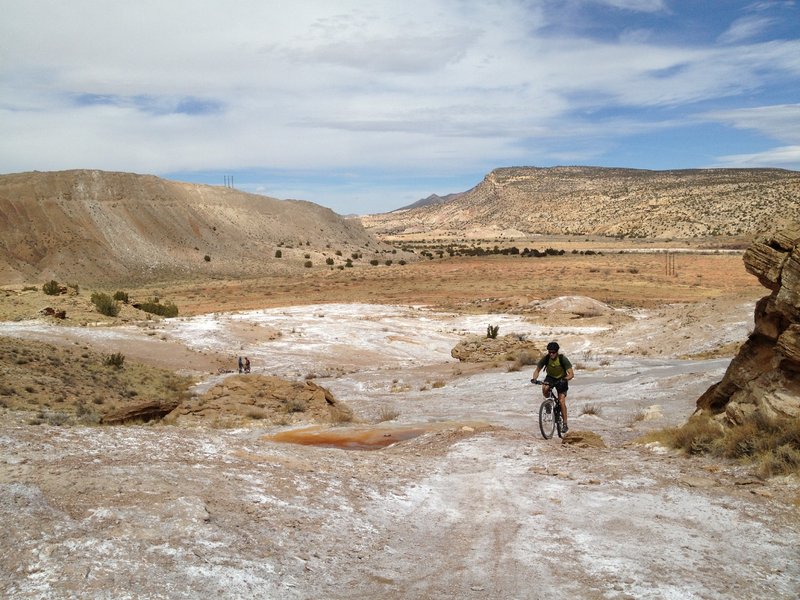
x,y
246,365
559,372
241,365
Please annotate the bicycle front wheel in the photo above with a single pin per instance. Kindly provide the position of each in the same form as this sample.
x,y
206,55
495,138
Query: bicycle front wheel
x,y
547,422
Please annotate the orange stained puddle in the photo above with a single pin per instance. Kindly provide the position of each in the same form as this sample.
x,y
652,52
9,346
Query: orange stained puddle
x,y
357,438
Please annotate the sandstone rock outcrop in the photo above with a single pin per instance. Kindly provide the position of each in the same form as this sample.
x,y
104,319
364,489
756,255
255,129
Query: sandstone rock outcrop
x,y
242,398
141,411
483,349
764,376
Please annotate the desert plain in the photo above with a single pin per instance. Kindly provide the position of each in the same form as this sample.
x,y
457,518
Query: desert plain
x,y
440,484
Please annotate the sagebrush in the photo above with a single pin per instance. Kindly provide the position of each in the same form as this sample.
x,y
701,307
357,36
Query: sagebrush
x,y
772,444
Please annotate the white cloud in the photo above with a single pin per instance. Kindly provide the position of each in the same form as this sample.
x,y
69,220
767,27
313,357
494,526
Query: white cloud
x,y
745,28
780,122
786,156
435,85
636,5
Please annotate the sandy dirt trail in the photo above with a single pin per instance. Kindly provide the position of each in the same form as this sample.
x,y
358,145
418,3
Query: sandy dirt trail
x,y
478,506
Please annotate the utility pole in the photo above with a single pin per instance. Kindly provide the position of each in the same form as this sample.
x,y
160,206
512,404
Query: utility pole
x,y
670,264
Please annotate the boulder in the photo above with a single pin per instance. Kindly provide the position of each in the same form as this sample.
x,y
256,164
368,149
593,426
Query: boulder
x,y
763,377
476,349
147,410
243,399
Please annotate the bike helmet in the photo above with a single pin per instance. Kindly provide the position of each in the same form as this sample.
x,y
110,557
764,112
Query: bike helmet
x,y
552,347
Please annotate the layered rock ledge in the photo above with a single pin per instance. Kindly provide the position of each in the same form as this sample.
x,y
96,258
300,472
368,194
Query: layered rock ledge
x,y
764,377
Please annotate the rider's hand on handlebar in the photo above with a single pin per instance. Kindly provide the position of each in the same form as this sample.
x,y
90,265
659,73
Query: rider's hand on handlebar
x,y
536,381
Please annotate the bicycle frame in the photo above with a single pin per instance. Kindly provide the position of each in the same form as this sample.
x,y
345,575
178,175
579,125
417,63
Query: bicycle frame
x,y
550,420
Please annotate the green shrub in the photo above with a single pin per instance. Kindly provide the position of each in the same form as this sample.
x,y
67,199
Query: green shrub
x,y
105,304
207,258
374,262
307,264
278,254
115,360
329,261
121,296
492,330
51,288
153,306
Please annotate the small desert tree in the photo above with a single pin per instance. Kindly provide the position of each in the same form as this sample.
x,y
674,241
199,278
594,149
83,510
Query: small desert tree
x,y
105,304
51,288
491,331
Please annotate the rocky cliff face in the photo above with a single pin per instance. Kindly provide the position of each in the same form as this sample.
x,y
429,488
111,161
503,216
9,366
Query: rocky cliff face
x,y
765,375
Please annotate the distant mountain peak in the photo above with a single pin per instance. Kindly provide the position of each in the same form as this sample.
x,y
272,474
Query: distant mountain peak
x,y
431,200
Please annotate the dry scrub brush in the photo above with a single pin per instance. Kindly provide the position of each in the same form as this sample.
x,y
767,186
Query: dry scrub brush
x,y
771,444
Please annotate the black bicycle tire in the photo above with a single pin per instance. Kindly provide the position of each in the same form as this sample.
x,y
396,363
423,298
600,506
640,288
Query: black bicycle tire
x,y
543,418
558,418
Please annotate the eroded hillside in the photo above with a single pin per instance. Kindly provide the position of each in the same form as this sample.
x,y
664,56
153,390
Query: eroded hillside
x,y
97,226
604,201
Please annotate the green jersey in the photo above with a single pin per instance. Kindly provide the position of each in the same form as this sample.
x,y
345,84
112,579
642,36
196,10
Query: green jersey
x,y
556,367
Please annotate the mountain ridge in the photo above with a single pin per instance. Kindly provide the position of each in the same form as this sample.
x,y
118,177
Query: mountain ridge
x,y
608,201
100,226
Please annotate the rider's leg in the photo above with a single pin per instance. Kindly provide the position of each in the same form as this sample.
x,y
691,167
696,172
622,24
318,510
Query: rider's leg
x,y
562,400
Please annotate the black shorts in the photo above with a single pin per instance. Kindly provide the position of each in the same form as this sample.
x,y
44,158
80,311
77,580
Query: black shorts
x,y
561,385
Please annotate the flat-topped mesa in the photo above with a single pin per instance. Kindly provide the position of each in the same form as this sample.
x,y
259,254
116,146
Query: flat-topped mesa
x,y
607,201
764,377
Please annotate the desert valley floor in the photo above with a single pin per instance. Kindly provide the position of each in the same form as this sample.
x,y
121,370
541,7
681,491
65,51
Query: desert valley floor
x,y
468,500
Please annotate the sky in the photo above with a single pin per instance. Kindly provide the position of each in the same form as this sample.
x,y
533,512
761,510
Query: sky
x,y
365,106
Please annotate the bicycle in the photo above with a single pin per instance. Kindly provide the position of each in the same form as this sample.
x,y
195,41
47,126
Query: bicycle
x,y
550,413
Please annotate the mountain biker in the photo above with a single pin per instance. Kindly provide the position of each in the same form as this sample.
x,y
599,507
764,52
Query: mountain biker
x,y
559,372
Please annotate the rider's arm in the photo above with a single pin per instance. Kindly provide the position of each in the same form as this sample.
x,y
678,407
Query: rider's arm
x,y
536,373
570,374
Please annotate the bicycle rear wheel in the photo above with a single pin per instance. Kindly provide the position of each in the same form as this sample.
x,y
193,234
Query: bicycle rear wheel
x,y
547,423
